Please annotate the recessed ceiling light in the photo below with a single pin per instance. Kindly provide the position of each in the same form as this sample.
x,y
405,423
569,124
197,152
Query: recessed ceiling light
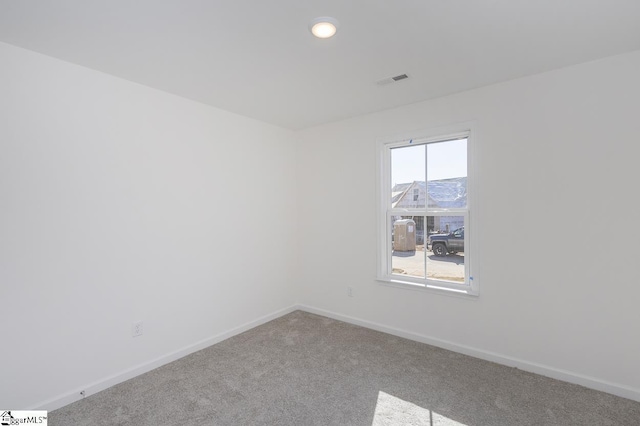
x,y
323,27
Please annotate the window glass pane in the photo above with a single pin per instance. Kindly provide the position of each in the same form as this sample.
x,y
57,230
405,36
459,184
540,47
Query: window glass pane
x,y
408,176
426,212
447,174
407,246
445,248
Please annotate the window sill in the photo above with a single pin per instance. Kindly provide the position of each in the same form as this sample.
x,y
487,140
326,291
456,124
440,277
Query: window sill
x,y
429,288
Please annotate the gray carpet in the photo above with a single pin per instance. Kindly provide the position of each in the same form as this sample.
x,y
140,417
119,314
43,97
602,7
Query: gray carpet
x,y
305,369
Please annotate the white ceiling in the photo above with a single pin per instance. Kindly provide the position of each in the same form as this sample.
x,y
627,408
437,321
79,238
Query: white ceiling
x,y
257,57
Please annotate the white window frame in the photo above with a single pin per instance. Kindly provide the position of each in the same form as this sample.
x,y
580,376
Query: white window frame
x,y
471,285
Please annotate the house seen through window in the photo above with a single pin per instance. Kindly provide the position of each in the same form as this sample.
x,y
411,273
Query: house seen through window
x,y
425,208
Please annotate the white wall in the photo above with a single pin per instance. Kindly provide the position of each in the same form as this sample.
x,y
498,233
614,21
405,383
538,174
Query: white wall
x,y
121,203
557,161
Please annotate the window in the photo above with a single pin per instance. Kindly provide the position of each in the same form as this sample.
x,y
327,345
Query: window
x,y
425,209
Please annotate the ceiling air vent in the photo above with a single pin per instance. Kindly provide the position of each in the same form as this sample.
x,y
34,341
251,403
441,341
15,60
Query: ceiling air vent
x,y
389,80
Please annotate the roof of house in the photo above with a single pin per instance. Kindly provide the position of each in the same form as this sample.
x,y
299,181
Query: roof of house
x,y
443,193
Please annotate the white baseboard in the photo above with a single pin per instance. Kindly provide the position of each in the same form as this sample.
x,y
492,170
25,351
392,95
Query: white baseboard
x,y
567,376
107,382
543,370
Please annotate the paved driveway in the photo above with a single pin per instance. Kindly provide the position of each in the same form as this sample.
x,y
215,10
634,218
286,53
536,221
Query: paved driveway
x,y
449,267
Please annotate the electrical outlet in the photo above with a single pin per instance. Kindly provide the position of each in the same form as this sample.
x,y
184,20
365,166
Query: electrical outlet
x,y
137,328
350,291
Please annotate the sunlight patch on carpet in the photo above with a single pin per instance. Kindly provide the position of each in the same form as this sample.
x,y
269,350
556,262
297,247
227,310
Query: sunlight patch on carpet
x,y
393,411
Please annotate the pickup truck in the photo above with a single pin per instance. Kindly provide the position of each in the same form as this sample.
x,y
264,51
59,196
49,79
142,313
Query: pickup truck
x,y
453,242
